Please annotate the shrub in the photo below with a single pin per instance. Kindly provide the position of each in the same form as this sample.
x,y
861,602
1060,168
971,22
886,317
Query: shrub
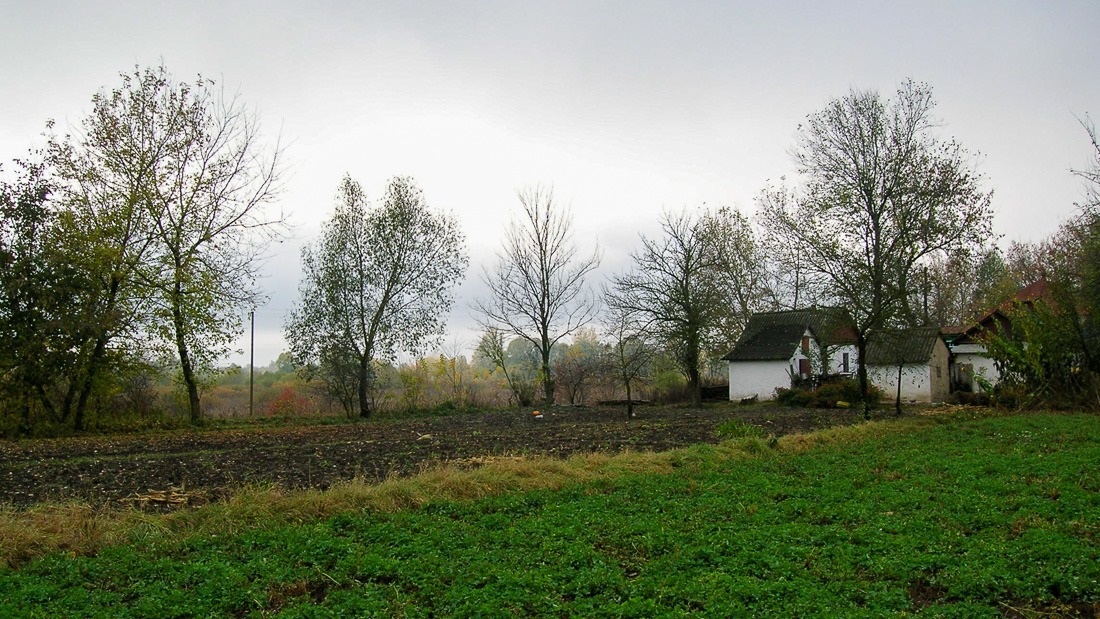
x,y
670,387
739,429
973,399
792,397
287,403
827,395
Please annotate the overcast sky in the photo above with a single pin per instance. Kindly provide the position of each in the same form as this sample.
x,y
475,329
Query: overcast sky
x,y
625,108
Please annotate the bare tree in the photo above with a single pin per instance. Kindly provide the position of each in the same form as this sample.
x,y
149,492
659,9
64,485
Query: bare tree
x,y
740,272
955,289
537,291
882,196
578,365
212,220
630,352
790,282
377,282
1091,174
694,287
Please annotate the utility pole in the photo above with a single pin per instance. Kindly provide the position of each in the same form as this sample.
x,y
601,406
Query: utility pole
x,y
252,363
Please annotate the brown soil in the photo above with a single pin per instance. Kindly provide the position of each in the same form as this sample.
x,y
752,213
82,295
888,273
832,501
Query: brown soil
x,y
195,467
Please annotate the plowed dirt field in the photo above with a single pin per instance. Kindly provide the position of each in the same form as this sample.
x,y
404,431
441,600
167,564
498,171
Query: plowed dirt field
x,y
190,468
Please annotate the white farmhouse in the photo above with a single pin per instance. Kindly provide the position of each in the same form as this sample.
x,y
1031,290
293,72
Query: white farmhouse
x,y
778,349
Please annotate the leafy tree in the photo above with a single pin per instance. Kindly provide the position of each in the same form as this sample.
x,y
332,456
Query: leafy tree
x,y
379,281
37,289
881,197
453,370
414,383
1042,353
106,232
283,364
537,291
694,287
168,184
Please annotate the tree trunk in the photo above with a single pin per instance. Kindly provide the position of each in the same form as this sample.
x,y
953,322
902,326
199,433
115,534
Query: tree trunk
x,y
365,378
694,381
44,398
695,386
187,368
861,350
547,380
897,397
92,370
629,402
98,353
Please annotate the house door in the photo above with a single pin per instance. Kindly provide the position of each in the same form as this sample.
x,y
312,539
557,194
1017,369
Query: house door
x,y
804,368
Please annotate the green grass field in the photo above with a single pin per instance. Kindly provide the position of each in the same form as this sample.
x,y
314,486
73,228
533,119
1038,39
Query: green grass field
x,y
966,515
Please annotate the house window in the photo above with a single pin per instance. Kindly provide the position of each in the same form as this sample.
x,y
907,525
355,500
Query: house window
x,y
805,344
844,364
804,368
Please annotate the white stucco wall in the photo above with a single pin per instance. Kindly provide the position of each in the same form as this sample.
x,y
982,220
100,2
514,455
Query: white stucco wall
x,y
925,382
974,356
915,382
757,378
761,378
836,359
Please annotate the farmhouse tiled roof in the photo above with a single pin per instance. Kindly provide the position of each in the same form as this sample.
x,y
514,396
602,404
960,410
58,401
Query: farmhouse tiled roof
x,y
773,342
903,347
997,318
772,336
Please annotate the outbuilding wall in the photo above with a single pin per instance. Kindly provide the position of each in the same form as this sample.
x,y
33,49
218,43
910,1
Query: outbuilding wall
x,y
924,382
758,378
971,360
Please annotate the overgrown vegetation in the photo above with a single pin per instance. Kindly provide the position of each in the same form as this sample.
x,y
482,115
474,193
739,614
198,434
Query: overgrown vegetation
x,y
828,395
948,515
1049,352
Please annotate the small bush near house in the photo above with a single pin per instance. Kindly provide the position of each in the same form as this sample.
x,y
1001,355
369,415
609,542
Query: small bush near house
x,y
972,399
670,387
827,395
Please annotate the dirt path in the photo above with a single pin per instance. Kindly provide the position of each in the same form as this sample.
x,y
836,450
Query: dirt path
x,y
206,465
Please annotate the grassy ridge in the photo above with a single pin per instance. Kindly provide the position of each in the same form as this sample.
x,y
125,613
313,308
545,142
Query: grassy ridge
x,y
951,516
